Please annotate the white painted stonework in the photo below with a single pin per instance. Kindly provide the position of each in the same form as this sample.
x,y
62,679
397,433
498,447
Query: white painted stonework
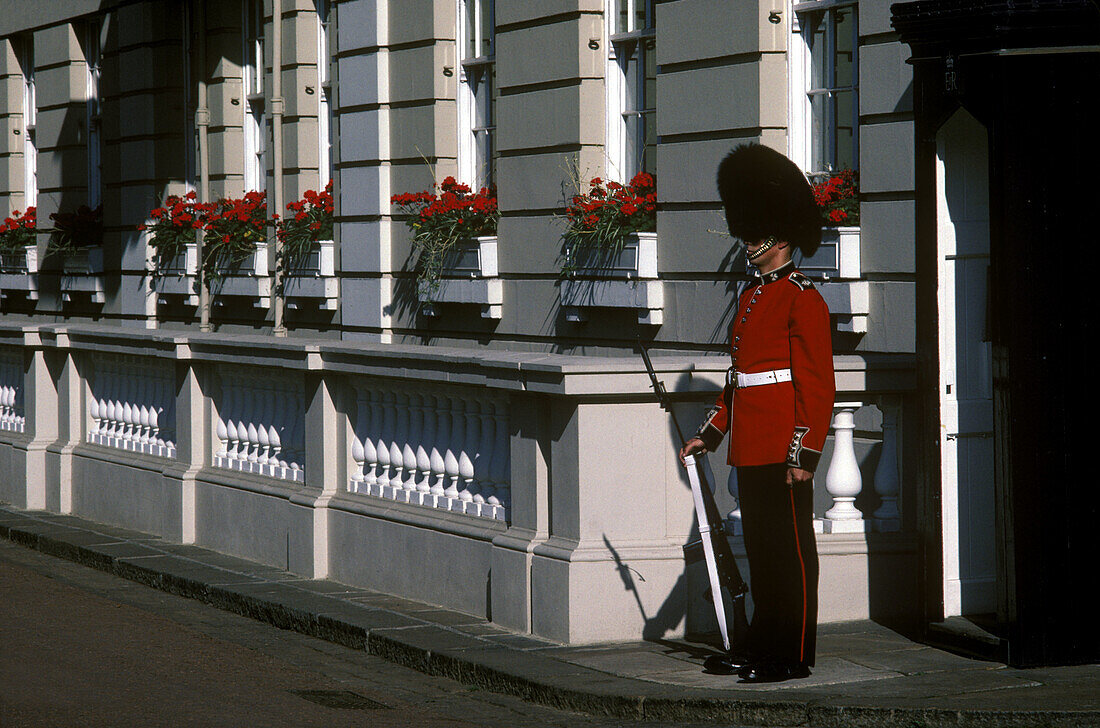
x,y
251,279
178,277
625,279
12,415
470,275
481,481
313,280
82,273
19,272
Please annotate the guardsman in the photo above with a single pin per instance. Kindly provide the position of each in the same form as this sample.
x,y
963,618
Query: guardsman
x,y
776,406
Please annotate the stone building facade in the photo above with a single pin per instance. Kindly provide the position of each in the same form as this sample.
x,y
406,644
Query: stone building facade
x,y
102,102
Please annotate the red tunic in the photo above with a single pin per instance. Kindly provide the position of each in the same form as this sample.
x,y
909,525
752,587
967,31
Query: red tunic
x,y
782,323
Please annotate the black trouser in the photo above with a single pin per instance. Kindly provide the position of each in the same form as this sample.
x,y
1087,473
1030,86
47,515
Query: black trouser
x,y
777,520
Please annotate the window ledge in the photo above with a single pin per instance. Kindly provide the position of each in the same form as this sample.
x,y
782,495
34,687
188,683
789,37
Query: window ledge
x,y
625,279
470,275
19,272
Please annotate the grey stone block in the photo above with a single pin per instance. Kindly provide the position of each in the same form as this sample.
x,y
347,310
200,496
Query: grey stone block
x,y
685,99
688,169
558,120
364,69
885,79
357,25
417,74
874,18
893,317
417,20
888,236
562,48
359,135
886,157
691,30
520,12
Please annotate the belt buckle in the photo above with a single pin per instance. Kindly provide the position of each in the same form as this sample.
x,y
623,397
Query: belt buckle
x,y
731,378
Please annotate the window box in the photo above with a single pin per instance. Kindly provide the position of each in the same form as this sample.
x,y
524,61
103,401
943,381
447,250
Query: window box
x,y
179,277
19,272
836,266
625,279
314,278
249,278
82,273
469,276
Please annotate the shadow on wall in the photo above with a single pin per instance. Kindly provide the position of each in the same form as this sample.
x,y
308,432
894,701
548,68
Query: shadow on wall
x,y
891,559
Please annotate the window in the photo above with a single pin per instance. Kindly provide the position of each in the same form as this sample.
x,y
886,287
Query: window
x,y
30,113
476,102
631,89
255,136
324,111
93,60
825,86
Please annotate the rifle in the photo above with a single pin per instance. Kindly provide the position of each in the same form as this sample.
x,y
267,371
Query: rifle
x,y
712,545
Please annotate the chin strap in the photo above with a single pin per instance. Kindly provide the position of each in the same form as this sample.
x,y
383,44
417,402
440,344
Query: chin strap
x,y
767,245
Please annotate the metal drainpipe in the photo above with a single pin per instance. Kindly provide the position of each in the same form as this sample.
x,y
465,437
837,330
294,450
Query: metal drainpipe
x,y
202,122
277,140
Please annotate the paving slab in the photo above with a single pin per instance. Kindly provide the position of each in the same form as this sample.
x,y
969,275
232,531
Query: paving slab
x,y
867,675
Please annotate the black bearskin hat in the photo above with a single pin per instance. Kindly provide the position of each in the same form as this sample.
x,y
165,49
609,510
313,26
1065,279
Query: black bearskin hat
x,y
766,194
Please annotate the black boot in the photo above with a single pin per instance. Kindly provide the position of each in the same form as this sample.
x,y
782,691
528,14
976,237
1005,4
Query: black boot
x,y
768,671
725,663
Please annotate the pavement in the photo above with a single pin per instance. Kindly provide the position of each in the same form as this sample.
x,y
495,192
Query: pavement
x,y
866,674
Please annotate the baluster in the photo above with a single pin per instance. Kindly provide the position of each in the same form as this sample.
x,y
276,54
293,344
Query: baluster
x,y
94,409
156,416
254,398
20,405
887,483
424,449
127,388
468,456
296,412
282,425
441,450
236,430
276,434
385,433
264,419
168,416
370,417
501,463
145,396
358,452
408,452
4,407
484,460
101,379
843,481
109,386
397,445
222,429
239,453
454,448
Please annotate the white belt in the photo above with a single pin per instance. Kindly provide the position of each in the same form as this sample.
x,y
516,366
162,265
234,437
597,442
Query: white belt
x,y
756,379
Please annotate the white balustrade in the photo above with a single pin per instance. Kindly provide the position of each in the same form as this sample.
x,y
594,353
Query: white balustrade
x,y
12,416
132,404
431,448
260,424
887,482
843,480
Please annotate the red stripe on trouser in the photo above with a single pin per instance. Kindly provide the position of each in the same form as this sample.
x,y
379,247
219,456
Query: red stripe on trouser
x,y
802,563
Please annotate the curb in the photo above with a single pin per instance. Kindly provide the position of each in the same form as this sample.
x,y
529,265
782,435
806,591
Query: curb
x,y
479,663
